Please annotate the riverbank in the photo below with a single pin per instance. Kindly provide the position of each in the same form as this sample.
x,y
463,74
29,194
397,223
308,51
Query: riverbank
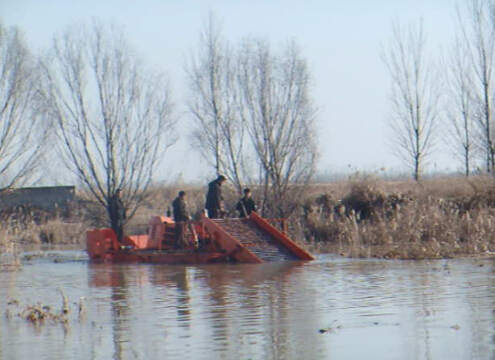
x,y
360,217
438,218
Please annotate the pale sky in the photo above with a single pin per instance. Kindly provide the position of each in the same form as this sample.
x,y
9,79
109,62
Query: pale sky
x,y
340,39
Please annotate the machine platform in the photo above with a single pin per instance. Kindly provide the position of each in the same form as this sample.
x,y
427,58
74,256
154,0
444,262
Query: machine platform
x,y
249,240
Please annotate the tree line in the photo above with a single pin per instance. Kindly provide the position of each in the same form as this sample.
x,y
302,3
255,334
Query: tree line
x,y
110,119
451,98
254,119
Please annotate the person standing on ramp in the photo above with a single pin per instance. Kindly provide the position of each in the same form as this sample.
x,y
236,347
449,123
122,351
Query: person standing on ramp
x,y
214,199
246,204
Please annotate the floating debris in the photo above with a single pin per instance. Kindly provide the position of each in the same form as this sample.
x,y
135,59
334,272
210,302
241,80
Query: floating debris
x,y
39,313
333,328
13,302
65,302
81,310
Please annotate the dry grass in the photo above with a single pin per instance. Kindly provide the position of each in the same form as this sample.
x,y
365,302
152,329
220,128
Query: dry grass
x,y
14,237
360,217
55,231
9,258
434,219
39,314
24,228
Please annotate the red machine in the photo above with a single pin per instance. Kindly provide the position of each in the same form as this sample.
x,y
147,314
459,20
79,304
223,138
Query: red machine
x,y
250,240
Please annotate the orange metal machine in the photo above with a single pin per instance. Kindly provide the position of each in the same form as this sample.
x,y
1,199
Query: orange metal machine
x,y
249,240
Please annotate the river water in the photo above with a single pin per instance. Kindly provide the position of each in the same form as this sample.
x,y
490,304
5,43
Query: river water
x,y
331,308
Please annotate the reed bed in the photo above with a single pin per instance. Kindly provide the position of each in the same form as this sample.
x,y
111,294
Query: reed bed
x,y
360,217
54,231
22,228
437,219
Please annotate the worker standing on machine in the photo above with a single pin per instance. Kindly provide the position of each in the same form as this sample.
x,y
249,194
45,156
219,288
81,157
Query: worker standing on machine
x,y
214,199
246,204
181,217
116,211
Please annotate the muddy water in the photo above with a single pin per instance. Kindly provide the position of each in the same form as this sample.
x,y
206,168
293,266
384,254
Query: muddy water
x,y
332,308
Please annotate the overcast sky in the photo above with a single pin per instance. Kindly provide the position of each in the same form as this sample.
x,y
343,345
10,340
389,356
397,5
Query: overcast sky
x,y
340,39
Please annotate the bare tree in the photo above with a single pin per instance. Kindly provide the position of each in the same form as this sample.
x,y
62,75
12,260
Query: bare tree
x,y
23,131
114,119
213,103
253,115
461,104
478,35
414,97
279,116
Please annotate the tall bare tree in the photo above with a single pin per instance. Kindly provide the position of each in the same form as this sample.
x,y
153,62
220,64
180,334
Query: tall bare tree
x,y
477,26
279,116
213,103
461,105
414,96
253,115
23,131
114,119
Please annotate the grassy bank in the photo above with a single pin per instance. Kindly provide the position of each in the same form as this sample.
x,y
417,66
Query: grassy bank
x,y
437,218
360,217
22,228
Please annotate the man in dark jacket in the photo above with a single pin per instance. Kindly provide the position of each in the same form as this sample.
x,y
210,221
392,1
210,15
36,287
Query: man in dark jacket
x,y
214,199
181,217
116,211
246,205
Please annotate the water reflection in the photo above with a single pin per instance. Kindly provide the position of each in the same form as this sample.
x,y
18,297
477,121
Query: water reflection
x,y
238,307
371,309
119,310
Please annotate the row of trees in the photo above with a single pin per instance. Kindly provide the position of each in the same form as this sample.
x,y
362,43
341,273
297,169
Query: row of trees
x,y
254,119
23,131
452,98
88,103
111,120
92,103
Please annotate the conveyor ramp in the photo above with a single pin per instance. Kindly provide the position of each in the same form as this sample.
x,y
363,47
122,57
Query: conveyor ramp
x,y
254,240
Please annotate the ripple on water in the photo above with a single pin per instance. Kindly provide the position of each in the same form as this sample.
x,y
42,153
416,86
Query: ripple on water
x,y
367,308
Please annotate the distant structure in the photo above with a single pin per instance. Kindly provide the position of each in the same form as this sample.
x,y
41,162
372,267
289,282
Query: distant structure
x,y
52,199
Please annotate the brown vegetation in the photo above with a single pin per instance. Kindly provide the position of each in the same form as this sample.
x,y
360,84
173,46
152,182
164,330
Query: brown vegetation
x,y
361,217
39,313
433,219
367,217
26,225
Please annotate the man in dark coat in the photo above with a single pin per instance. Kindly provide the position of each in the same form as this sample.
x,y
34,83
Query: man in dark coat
x,y
214,199
181,217
246,204
116,210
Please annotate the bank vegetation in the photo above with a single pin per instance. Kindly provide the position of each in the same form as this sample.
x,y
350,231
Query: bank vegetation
x,y
362,216
438,218
90,105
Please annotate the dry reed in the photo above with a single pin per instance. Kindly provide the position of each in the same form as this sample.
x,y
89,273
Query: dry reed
x,y
39,313
434,219
360,217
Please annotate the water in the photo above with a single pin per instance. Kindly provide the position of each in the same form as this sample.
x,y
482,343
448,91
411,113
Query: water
x,y
332,308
